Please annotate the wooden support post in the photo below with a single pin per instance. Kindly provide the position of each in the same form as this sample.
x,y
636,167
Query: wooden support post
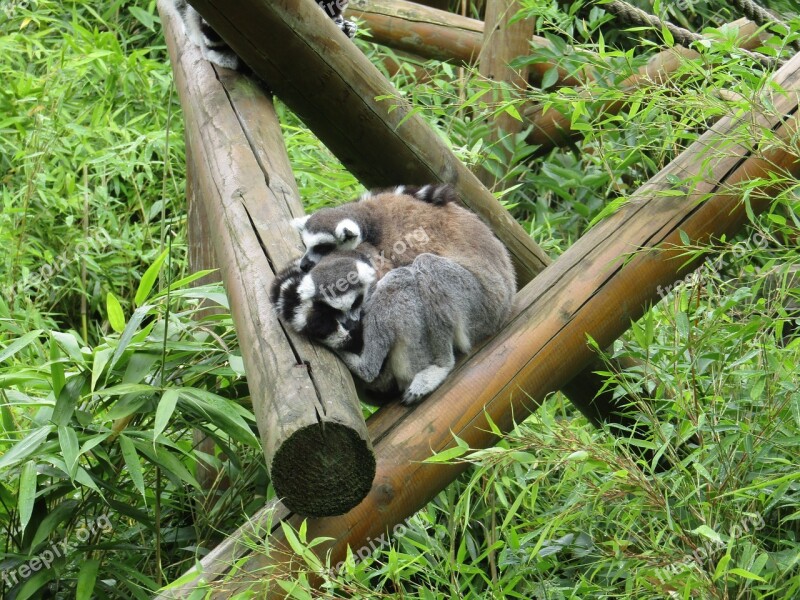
x,y
603,282
436,34
503,41
315,441
201,258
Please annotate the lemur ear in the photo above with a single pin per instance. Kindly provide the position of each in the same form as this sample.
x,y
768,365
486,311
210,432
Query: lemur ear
x,y
300,222
347,230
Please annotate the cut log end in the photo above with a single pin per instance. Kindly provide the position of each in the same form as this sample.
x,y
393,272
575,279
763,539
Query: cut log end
x,y
323,470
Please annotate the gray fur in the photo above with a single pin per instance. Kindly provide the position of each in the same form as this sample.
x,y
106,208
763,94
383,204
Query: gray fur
x,y
399,227
411,324
416,320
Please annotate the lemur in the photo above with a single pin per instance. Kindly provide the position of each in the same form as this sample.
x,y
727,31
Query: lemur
x,y
453,286
384,219
216,51
400,332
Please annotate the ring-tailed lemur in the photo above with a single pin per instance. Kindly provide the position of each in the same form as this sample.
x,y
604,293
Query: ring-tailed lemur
x,y
215,50
384,220
399,332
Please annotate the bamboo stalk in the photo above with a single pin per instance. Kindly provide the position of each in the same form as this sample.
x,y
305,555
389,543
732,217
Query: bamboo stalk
x,y
309,419
603,282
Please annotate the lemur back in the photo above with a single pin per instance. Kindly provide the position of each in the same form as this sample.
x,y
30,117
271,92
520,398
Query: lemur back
x,y
404,222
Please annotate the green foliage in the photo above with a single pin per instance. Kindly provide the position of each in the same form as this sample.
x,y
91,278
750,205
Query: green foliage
x,y
109,358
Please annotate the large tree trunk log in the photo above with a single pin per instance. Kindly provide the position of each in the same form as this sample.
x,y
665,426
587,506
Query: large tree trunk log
x,y
596,288
314,438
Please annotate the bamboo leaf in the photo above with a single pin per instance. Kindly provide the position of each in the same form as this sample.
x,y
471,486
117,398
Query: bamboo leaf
x,y
149,279
116,316
27,493
132,463
18,345
87,576
25,447
68,440
164,410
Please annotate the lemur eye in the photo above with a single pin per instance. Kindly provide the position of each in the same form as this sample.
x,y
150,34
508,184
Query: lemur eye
x,y
325,248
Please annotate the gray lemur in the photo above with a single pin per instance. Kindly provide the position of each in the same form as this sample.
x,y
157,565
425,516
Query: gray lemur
x,y
399,332
216,51
382,221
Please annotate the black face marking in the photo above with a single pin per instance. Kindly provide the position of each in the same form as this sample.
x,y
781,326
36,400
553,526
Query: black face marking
x,y
324,249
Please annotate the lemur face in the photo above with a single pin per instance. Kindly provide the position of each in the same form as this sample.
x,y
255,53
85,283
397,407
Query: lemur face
x,y
325,303
323,234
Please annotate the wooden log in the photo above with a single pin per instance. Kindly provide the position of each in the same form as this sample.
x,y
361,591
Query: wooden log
x,y
437,34
595,288
503,41
202,258
372,130
301,54
552,128
314,437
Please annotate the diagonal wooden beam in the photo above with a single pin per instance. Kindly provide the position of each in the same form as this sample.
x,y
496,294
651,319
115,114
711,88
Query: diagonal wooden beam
x,y
600,285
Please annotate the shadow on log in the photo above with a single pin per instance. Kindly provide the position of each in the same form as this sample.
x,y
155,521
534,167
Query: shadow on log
x,y
598,287
313,434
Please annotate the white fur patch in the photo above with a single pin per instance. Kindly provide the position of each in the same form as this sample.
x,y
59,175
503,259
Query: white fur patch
x,y
425,382
399,189
300,317
366,274
299,223
421,193
314,239
306,289
348,233
337,339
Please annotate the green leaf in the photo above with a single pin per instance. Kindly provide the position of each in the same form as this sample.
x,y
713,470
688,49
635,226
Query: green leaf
x,y
67,400
18,344
130,330
132,463
25,447
86,579
706,532
56,368
512,111
549,78
101,358
70,450
149,279
446,455
144,17
116,317
722,565
27,493
746,574
164,410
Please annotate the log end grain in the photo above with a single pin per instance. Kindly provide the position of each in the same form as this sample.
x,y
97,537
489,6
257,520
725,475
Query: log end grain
x,y
321,471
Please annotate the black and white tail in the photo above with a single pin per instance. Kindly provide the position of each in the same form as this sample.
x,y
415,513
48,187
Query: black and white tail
x,y
437,194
